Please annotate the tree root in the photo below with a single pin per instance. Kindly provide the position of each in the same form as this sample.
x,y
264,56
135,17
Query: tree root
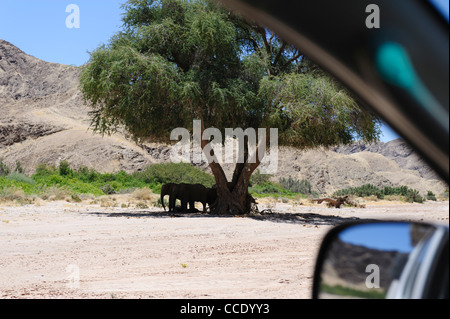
x,y
339,202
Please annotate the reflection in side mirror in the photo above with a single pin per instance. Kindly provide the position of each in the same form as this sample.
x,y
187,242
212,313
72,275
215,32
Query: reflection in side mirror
x,y
383,260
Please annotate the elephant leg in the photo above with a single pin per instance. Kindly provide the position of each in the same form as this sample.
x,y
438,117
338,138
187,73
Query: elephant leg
x,y
184,205
192,206
172,201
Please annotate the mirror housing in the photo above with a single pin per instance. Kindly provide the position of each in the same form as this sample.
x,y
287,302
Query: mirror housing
x,y
383,260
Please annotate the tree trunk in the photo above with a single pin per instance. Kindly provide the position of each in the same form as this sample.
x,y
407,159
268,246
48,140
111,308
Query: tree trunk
x,y
233,197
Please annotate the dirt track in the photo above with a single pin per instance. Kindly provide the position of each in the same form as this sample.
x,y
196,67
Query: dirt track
x,y
65,250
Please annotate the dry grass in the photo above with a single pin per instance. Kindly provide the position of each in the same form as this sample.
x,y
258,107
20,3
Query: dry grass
x,y
55,194
143,194
13,195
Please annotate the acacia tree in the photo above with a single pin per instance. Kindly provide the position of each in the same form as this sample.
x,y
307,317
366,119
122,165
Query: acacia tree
x,y
180,60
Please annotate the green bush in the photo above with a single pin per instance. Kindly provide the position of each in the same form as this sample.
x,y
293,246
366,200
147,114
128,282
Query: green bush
x,y
44,170
27,185
64,168
19,168
258,178
267,188
174,173
296,186
4,169
363,191
21,178
411,195
431,196
87,175
270,189
108,189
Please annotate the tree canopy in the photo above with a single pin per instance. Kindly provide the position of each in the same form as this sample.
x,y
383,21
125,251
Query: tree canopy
x,y
180,60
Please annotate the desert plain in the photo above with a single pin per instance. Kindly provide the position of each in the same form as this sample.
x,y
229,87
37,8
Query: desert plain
x,y
77,250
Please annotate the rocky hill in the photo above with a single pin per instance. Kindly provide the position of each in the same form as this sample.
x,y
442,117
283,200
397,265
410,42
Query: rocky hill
x,y
43,119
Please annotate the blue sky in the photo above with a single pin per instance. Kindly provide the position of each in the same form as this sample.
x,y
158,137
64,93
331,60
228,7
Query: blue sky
x,y
395,237
38,27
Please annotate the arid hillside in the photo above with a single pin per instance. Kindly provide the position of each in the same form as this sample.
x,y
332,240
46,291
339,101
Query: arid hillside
x,y
43,119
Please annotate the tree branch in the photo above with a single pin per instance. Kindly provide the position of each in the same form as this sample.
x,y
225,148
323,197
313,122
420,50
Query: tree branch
x,y
216,168
280,52
296,57
263,34
256,47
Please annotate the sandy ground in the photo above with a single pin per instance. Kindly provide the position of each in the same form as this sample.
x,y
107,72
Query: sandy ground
x,y
68,250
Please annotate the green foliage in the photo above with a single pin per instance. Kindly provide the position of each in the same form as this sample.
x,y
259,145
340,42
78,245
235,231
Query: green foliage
x,y
261,186
342,291
69,182
108,189
179,60
314,110
365,191
411,195
19,168
174,173
276,190
431,196
267,188
16,182
44,170
258,178
20,178
64,168
296,186
4,169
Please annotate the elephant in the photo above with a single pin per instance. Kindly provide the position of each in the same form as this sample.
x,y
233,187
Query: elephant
x,y
187,194
166,190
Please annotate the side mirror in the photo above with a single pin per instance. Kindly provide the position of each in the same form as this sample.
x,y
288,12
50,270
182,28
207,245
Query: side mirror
x,y
387,260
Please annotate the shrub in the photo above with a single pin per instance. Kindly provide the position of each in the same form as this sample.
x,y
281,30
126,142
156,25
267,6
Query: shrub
x,y
108,189
258,178
296,186
20,178
141,206
76,198
411,195
431,196
4,169
64,168
19,169
362,191
44,170
13,193
143,194
79,187
86,175
267,188
55,193
175,173
270,189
